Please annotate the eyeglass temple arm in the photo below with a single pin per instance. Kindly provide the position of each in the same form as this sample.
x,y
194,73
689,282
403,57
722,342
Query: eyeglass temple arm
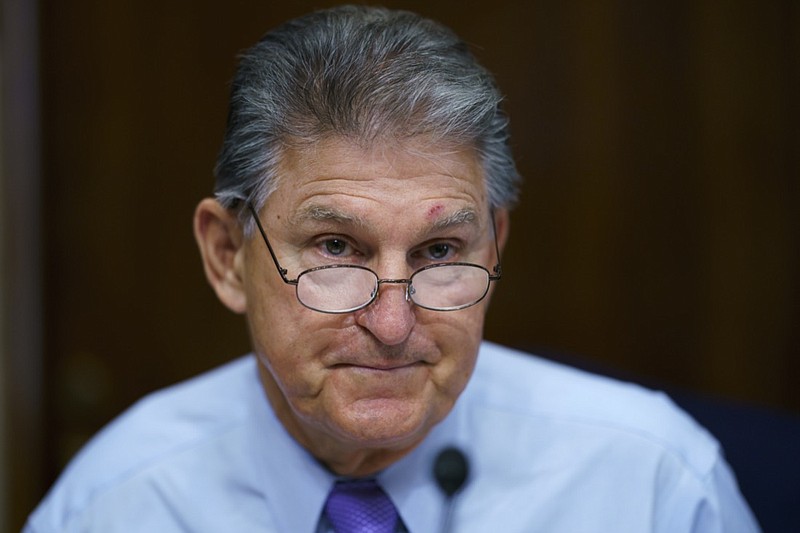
x,y
282,271
498,270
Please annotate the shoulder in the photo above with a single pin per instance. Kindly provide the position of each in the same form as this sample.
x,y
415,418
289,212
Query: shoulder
x,y
151,436
540,392
583,447
165,420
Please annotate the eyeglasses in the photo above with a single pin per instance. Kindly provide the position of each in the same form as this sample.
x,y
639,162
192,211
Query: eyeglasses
x,y
343,288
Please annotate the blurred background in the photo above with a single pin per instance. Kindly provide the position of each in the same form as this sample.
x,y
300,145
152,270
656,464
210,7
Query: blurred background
x,y
657,239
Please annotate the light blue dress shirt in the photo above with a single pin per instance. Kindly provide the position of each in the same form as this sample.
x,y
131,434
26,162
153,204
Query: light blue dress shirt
x,y
551,449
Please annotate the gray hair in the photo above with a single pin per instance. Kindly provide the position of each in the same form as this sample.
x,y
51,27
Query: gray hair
x,y
365,74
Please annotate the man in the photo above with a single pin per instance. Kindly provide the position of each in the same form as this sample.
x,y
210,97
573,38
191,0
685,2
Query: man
x,y
361,206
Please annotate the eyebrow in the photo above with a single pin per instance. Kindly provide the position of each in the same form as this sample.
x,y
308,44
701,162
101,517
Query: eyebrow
x,y
466,215
319,213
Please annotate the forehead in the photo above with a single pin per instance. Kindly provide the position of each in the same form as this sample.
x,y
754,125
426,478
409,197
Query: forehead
x,y
394,178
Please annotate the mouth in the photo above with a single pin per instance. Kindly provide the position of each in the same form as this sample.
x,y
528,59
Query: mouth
x,y
380,366
382,359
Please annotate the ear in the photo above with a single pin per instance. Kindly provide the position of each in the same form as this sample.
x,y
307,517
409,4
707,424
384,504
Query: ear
x,y
220,239
502,221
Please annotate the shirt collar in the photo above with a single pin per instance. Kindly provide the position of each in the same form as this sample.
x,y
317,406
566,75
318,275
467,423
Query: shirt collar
x,y
294,484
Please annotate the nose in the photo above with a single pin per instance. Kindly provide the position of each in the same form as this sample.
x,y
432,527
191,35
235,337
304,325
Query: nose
x,y
390,318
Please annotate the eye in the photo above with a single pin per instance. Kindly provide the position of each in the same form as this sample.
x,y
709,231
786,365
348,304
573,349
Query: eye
x,y
439,251
335,246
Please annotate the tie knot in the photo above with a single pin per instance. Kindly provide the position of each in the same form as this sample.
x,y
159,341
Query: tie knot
x,y
360,506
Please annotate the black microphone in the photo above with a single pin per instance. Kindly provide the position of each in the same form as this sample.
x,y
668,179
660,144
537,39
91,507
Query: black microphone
x,y
450,470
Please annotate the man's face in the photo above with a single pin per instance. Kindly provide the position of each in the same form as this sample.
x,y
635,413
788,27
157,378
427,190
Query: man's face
x,y
381,377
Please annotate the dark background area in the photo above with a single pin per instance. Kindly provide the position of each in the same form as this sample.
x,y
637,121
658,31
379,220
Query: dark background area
x,y
657,237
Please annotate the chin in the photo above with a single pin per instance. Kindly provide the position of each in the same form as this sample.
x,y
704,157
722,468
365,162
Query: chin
x,y
387,423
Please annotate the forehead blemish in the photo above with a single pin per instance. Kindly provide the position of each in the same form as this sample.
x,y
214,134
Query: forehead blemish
x,y
435,211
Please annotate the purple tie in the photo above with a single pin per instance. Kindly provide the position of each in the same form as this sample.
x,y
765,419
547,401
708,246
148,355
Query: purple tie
x,y
360,506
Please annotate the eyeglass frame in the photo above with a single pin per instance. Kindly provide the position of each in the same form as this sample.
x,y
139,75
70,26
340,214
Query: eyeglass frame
x,y
497,269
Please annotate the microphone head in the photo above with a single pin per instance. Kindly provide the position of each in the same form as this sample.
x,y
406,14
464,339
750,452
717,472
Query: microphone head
x,y
451,470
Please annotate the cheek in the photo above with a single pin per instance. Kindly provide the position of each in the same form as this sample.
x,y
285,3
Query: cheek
x,y
458,338
291,342
278,330
459,329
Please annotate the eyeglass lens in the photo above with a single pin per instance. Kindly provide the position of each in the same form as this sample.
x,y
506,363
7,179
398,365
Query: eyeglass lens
x,y
345,288
340,289
449,287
